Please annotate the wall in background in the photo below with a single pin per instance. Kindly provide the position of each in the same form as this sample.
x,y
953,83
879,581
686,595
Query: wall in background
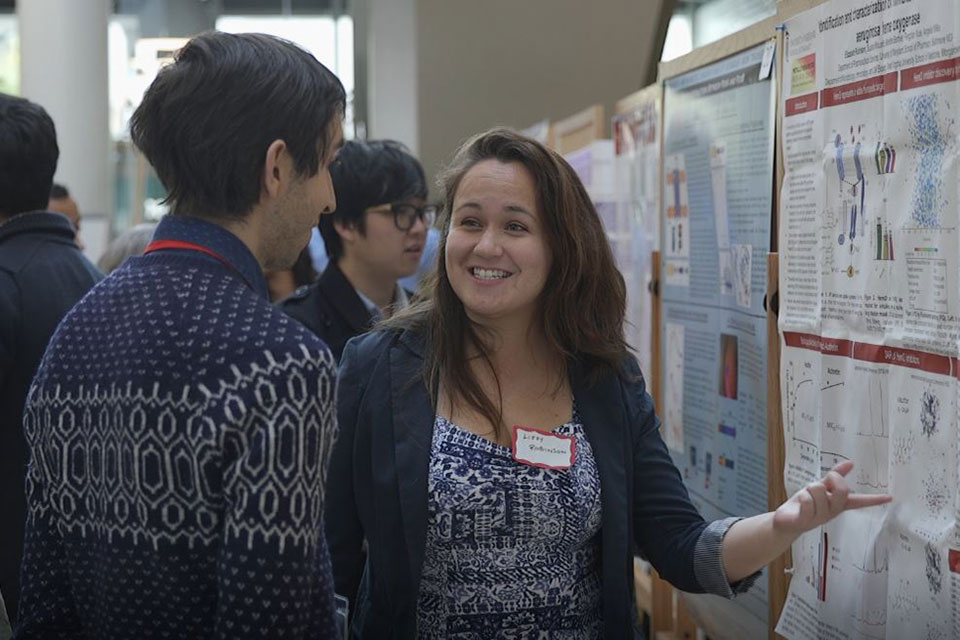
x,y
480,64
513,63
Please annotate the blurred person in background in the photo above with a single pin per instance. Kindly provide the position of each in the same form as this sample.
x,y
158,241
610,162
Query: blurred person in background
x,y
375,237
284,283
428,261
131,242
213,529
62,202
42,275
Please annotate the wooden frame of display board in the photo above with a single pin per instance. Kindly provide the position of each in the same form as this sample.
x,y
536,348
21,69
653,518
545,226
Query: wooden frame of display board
x,y
580,129
662,594
628,103
688,621
653,594
789,8
541,131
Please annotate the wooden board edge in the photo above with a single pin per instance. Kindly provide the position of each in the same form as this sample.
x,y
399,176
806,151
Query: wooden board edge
x,y
740,41
779,580
787,9
583,127
630,102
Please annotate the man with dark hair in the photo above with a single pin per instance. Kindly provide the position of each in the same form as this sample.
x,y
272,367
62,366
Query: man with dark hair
x,y
42,275
374,238
180,425
62,202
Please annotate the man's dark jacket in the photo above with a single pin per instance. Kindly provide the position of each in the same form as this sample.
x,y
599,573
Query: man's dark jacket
x,y
42,275
331,308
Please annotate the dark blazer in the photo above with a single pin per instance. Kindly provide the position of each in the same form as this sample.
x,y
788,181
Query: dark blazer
x,y
42,275
377,486
331,308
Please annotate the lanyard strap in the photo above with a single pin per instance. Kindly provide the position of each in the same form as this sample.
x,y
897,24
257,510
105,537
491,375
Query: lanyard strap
x,y
160,245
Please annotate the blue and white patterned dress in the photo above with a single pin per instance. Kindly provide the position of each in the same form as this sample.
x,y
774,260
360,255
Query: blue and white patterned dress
x,y
512,551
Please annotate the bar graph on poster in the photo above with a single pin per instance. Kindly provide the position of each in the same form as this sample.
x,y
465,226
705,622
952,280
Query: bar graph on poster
x,y
869,212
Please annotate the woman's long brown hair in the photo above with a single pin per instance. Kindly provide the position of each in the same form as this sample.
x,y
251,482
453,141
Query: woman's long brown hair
x,y
583,301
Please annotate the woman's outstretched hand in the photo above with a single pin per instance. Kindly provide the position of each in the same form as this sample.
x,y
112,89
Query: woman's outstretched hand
x,y
820,502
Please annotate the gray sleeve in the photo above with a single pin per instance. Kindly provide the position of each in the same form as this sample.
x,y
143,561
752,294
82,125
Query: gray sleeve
x,y
708,562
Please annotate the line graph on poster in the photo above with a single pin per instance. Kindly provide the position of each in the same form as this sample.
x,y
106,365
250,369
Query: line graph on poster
x,y
875,559
802,400
809,392
870,613
873,469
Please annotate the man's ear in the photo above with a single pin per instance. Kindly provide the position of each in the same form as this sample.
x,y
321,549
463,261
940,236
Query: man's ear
x,y
348,233
276,168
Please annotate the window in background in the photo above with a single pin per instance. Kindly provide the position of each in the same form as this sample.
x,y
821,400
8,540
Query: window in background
x,y
328,38
9,54
717,19
696,23
679,40
134,61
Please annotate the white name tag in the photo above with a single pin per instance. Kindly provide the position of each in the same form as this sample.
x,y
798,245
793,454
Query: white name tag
x,y
541,449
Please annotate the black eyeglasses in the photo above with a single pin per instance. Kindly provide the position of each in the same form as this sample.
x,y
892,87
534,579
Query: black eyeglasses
x,y
405,214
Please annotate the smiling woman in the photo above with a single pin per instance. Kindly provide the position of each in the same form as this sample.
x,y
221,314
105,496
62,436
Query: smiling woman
x,y
527,270
496,256
499,452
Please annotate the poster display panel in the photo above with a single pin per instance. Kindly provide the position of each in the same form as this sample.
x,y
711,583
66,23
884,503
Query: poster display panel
x,y
716,204
869,312
634,231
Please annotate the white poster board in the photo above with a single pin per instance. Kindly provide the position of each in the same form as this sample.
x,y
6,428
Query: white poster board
x,y
869,311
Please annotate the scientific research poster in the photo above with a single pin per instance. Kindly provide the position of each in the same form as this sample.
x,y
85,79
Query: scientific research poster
x,y
717,207
636,232
869,312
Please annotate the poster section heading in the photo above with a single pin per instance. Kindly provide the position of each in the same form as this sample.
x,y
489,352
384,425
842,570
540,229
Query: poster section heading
x,y
929,362
894,53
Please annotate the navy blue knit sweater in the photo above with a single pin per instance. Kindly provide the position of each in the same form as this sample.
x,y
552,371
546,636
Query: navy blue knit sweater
x,y
179,429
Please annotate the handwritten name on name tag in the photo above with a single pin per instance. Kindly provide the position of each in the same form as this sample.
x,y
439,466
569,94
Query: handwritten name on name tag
x,y
542,449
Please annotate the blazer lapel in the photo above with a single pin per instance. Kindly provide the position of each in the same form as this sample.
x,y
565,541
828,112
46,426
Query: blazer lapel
x,y
601,410
413,417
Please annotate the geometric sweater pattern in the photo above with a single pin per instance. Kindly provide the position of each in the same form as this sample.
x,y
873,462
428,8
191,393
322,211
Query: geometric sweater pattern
x,y
179,429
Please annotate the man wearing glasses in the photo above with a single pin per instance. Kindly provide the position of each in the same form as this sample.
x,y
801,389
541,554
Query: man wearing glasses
x,y
375,237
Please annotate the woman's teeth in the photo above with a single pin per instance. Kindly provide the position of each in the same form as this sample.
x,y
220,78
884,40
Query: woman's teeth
x,y
489,274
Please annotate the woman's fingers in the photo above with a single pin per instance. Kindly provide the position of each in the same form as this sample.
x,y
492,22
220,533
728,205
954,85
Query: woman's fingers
x,y
821,503
835,483
841,498
861,500
843,468
837,491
